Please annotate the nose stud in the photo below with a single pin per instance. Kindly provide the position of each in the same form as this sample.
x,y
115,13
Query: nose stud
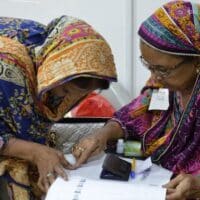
x,y
158,78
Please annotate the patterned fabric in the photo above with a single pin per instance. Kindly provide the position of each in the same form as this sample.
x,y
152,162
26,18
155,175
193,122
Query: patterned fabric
x,y
35,58
170,137
72,49
27,32
19,115
174,28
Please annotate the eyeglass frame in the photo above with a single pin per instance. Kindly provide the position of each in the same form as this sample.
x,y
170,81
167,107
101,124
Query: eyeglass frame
x,y
161,73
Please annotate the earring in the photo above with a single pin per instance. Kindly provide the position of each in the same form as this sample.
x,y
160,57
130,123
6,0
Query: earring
x,y
198,69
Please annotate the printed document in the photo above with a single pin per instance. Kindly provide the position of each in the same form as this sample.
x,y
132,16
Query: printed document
x,y
85,184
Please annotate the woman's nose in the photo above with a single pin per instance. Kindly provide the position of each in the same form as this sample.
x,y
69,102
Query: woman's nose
x,y
156,76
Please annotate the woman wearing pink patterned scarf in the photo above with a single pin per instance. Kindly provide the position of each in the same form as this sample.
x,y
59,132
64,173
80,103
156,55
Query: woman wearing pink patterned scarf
x,y
170,49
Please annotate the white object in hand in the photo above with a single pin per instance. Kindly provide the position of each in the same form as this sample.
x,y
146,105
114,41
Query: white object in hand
x,y
70,158
120,146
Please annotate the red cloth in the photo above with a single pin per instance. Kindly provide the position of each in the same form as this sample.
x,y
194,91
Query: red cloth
x,y
94,105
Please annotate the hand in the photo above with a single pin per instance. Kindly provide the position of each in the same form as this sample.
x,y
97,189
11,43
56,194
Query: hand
x,y
88,146
50,164
182,187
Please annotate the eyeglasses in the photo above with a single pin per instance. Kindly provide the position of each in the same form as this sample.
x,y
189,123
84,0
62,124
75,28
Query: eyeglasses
x,y
159,69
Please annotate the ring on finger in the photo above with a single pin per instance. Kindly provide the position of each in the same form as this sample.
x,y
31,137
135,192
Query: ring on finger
x,y
76,147
81,149
49,174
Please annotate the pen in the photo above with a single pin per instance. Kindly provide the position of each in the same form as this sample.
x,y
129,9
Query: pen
x,y
146,173
133,168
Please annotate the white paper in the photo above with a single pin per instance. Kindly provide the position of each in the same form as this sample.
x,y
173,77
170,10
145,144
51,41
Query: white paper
x,y
159,99
85,184
79,188
147,164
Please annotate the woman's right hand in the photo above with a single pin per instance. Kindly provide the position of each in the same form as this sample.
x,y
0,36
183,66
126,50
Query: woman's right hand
x,y
50,164
88,146
95,143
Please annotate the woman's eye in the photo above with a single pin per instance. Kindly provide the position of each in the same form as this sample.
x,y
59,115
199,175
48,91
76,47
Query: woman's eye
x,y
163,70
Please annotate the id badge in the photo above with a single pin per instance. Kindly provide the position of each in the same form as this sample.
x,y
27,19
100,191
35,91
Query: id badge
x,y
159,99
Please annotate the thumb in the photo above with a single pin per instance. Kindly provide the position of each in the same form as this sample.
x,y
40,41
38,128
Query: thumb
x,y
174,182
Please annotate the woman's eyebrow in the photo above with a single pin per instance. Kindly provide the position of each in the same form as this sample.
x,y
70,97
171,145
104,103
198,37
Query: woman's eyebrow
x,y
161,66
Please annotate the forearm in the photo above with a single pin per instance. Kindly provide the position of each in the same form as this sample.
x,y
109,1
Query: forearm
x,y
111,131
21,149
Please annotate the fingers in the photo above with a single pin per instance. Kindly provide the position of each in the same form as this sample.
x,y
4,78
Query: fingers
x,y
175,196
174,182
65,163
50,165
50,177
97,151
43,183
180,188
61,172
82,158
170,191
47,178
77,150
46,185
83,155
87,147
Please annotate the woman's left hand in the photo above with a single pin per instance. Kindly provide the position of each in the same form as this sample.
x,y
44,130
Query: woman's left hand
x,y
183,187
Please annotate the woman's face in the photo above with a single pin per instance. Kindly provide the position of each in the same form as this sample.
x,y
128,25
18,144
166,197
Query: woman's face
x,y
174,72
74,89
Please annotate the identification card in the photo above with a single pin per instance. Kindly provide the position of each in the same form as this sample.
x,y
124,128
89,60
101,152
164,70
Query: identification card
x,y
159,99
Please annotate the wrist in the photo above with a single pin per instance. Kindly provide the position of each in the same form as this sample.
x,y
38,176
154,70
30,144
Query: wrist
x,y
30,151
37,150
21,149
113,130
102,136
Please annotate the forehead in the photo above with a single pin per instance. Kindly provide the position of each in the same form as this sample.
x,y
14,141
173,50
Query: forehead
x,y
156,57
